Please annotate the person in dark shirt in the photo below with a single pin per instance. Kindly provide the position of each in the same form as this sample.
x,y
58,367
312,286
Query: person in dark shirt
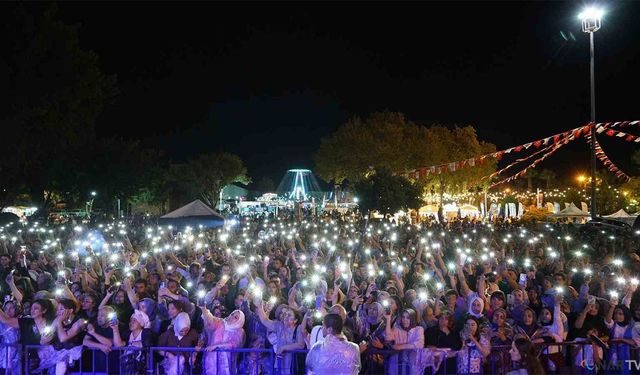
x,y
443,336
100,337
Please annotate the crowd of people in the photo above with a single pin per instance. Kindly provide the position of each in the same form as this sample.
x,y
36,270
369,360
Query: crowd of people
x,y
379,297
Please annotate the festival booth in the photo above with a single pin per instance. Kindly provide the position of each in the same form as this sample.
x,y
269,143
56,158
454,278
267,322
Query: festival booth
x,y
571,212
428,210
623,216
620,214
469,210
193,214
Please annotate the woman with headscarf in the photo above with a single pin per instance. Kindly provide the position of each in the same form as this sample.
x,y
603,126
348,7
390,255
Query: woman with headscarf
x,y
408,337
9,336
222,334
134,362
371,322
625,333
552,330
500,334
528,326
148,306
475,309
372,330
182,336
288,335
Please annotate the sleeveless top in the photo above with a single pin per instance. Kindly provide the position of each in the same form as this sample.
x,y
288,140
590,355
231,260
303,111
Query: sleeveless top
x,y
74,341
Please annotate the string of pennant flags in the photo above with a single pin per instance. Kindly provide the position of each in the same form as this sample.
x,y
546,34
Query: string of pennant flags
x,y
550,148
551,143
555,148
606,161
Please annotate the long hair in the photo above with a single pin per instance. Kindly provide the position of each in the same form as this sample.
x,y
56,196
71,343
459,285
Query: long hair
x,y
49,312
477,333
627,315
529,356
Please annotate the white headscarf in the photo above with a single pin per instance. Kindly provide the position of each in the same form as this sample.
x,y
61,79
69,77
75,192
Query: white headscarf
x,y
238,324
180,322
470,307
141,318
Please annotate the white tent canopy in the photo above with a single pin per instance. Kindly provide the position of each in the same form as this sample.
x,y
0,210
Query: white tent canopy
x,y
428,209
194,213
619,214
195,208
571,211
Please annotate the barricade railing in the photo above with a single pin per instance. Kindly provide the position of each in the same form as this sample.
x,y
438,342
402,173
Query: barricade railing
x,y
570,357
91,361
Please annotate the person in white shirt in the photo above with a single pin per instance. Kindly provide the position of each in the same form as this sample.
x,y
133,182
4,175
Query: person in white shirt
x,y
333,354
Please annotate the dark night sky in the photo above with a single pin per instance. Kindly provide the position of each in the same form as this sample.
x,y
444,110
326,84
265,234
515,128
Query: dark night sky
x,y
267,81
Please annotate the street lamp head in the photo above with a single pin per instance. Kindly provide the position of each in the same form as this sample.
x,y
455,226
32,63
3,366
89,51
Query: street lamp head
x,y
591,18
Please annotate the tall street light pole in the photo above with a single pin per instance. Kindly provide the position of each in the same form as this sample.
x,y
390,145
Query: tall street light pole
x,y
591,18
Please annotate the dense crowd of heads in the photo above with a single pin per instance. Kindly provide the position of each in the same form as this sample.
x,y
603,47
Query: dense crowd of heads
x,y
266,282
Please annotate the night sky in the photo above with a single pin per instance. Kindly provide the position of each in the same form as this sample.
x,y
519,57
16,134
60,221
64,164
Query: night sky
x,y
268,81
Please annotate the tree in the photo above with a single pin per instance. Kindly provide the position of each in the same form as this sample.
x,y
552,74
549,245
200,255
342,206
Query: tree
x,y
383,140
266,185
208,174
608,198
547,175
387,140
162,181
387,193
54,93
450,145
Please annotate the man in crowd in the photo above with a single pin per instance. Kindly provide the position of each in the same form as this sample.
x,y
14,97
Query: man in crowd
x,y
333,354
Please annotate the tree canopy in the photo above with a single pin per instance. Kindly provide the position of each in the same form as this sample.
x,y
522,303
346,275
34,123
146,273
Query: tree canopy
x,y
208,174
387,193
387,140
53,94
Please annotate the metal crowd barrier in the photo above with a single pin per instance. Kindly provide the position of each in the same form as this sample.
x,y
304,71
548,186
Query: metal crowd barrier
x,y
574,359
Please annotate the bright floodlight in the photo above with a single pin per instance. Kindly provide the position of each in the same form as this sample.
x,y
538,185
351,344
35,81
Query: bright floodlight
x,y
590,18
93,193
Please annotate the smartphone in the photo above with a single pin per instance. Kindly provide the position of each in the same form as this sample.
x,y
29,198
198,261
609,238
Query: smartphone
x,y
523,279
386,306
200,302
592,300
461,261
318,302
113,319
